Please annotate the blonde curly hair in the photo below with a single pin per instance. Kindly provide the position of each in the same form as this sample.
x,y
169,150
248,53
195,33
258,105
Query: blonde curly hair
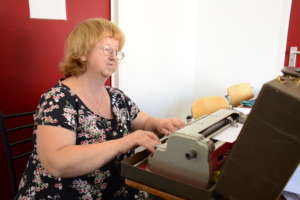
x,y
82,39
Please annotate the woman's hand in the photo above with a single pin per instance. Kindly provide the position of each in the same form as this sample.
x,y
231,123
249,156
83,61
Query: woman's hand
x,y
164,126
142,138
167,126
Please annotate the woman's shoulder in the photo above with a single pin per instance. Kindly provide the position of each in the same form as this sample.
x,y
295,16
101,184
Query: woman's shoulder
x,y
119,97
57,92
115,92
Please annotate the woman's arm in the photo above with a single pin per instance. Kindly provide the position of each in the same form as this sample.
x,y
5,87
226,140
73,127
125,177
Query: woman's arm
x,y
163,126
60,155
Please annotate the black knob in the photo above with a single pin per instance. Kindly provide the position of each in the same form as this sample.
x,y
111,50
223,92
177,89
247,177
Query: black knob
x,y
191,154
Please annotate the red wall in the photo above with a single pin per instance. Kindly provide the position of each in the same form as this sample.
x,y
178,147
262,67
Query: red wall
x,y
294,32
31,50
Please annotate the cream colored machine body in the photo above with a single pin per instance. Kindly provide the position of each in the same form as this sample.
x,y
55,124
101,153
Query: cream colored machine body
x,y
186,155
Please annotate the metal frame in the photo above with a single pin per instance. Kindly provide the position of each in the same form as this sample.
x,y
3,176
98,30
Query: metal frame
x,y
8,145
293,56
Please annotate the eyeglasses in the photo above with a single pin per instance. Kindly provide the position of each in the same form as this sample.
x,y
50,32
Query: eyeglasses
x,y
108,51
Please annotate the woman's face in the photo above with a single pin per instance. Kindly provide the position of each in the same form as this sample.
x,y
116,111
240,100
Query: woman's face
x,y
102,60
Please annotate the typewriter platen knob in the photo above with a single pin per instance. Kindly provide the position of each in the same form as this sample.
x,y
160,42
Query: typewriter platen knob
x,y
191,154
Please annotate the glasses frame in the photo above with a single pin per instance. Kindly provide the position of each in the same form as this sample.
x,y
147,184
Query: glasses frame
x,y
109,51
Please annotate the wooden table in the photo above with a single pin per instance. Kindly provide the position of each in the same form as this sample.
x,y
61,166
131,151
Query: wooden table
x,y
151,190
158,193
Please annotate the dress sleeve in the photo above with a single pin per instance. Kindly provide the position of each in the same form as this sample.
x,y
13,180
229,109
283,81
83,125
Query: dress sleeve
x,y
124,105
132,108
57,108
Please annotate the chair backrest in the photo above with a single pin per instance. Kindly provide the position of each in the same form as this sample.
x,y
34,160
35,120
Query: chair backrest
x,y
239,92
9,127
207,105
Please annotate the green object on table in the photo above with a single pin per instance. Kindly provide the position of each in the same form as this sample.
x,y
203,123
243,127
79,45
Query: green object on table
x,y
248,103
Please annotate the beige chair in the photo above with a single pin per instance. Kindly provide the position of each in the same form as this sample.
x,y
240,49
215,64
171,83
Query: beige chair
x,y
239,92
207,105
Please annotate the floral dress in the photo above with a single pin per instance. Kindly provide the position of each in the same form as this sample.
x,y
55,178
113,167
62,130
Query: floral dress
x,y
60,107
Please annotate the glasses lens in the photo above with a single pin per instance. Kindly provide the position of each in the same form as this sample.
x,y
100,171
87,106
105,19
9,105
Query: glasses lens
x,y
109,52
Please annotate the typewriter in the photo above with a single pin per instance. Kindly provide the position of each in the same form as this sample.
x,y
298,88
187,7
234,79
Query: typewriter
x,y
192,155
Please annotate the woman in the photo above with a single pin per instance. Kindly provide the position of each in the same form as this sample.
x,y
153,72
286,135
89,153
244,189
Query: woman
x,y
83,129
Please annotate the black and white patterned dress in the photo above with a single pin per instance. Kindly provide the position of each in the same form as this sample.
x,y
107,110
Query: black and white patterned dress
x,y
60,107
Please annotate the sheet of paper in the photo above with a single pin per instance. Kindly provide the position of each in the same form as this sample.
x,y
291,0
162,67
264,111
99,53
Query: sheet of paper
x,y
230,134
47,9
294,182
245,111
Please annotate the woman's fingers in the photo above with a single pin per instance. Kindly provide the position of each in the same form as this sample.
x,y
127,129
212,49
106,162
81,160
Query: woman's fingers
x,y
165,131
176,123
169,126
150,146
148,140
152,136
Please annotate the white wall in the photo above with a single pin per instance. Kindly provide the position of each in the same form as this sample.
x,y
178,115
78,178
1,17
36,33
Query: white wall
x,y
178,51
